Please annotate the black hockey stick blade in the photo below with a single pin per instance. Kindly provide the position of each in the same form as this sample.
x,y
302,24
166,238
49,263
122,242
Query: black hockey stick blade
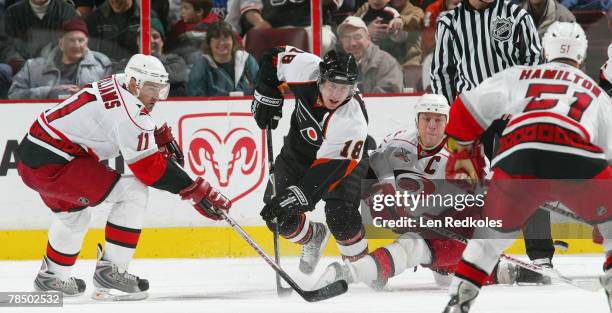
x,y
334,289
329,291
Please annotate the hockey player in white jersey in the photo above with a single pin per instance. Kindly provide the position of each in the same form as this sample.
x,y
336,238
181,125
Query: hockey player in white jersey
x,y
60,159
407,156
560,131
322,153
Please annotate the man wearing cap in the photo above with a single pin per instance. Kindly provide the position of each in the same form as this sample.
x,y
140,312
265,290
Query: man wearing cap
x,y
379,72
62,71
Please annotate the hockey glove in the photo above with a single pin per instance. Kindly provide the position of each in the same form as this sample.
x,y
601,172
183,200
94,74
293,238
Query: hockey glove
x,y
203,195
289,202
465,162
167,144
267,106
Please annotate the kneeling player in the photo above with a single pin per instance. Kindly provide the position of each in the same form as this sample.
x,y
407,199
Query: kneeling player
x,y
408,155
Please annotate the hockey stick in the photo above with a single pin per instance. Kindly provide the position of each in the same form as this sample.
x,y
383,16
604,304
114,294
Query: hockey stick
x,y
334,289
280,290
590,285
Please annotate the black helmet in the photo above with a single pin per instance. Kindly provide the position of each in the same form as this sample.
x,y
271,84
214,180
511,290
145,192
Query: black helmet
x,y
338,67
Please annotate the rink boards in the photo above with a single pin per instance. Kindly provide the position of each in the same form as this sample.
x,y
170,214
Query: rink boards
x,y
216,131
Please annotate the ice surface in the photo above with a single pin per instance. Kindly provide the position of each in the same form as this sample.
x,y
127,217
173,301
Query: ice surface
x,y
247,286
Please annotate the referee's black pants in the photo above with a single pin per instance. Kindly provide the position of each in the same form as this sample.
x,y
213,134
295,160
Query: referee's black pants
x,y
537,233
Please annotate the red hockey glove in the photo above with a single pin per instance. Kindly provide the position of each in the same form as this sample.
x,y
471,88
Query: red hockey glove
x,y
465,162
203,195
167,144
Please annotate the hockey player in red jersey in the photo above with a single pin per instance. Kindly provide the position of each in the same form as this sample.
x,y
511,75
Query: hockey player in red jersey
x,y
320,158
408,156
60,159
560,132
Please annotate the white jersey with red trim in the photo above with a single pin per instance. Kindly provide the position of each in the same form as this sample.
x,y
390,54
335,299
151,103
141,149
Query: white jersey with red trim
x,y
400,152
104,119
555,108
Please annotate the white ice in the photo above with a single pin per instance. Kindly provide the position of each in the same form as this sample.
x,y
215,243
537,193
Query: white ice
x,y
247,286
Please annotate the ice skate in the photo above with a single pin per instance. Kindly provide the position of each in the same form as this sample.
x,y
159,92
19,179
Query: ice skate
x,y
113,285
462,298
313,249
48,281
528,277
505,273
335,272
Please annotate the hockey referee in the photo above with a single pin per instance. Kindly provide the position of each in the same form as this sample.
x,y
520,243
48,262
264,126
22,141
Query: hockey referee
x,y
474,41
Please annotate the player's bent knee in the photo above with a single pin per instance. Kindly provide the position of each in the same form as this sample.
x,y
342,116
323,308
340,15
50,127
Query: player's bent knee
x,y
76,221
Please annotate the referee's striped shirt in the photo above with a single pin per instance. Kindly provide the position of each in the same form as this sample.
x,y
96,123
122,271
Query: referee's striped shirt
x,y
473,45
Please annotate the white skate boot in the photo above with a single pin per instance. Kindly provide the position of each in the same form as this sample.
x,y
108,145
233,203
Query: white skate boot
x,y
110,284
313,249
335,272
505,273
48,281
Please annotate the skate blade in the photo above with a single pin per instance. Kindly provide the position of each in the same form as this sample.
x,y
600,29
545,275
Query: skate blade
x,y
103,294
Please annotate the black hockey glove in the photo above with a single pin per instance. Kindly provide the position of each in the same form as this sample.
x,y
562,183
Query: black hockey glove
x,y
267,106
289,202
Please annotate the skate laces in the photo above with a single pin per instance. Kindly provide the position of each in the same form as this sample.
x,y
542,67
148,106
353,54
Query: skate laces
x,y
310,247
124,277
67,284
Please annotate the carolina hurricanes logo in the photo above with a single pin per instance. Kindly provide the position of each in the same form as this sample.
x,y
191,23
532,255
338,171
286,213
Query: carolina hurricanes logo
x,y
310,134
230,158
414,183
238,146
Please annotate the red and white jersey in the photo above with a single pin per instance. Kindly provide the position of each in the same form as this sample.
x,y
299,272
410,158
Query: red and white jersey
x,y
554,107
400,152
104,119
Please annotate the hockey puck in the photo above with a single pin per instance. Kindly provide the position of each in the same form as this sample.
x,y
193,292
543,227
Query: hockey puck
x,y
560,244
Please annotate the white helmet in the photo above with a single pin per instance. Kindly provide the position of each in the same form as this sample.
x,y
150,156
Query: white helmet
x,y
564,40
147,68
432,103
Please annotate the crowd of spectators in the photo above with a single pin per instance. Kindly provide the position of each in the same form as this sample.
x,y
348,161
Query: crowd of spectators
x,y
50,47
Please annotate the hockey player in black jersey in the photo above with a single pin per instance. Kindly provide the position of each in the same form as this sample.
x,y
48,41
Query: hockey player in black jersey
x,y
320,158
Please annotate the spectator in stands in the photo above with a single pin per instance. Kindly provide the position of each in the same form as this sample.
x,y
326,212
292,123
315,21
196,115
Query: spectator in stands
x,y
395,32
85,7
187,35
224,67
245,14
546,12
174,64
287,13
114,27
33,24
379,72
64,70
